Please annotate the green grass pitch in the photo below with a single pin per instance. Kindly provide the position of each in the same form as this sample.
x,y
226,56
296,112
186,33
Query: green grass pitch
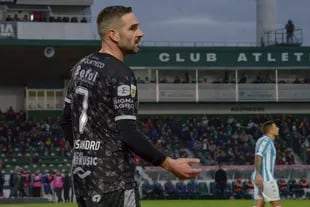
x,y
182,203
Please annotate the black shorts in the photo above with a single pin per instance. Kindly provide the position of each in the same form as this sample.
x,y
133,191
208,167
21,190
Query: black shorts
x,y
122,198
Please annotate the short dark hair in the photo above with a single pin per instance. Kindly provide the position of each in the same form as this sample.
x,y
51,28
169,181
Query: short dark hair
x,y
267,126
108,16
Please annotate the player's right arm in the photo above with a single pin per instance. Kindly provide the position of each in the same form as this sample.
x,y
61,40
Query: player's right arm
x,y
258,167
261,148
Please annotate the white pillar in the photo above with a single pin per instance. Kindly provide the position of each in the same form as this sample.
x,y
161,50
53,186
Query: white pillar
x,y
266,20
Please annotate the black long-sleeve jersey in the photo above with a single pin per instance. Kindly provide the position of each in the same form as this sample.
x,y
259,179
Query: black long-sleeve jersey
x,y
102,91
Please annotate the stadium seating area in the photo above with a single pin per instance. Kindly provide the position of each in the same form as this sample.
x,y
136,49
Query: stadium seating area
x,y
225,139
40,145
229,140
32,144
236,189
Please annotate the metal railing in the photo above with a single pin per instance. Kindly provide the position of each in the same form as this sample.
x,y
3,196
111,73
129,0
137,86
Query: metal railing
x,y
280,37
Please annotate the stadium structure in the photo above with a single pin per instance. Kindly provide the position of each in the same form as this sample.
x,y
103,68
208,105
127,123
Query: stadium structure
x,y
194,86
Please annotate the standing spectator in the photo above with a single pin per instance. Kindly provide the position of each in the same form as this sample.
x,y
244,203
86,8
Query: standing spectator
x,y
66,186
220,182
36,184
26,179
58,186
290,27
13,184
47,186
1,183
19,179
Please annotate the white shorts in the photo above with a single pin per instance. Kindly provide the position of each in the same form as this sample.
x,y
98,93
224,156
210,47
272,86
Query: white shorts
x,y
269,191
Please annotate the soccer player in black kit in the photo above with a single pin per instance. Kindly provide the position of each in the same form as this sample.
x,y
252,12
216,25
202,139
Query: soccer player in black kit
x,y
99,119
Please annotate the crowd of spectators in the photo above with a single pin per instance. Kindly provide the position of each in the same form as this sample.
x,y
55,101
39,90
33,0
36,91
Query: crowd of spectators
x,y
213,139
226,140
229,140
27,136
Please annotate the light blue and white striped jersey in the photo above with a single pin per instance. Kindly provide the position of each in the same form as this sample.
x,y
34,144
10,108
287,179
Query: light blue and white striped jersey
x,y
266,149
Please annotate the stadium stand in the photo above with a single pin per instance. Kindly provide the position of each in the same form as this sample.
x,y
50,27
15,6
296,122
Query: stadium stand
x,y
33,146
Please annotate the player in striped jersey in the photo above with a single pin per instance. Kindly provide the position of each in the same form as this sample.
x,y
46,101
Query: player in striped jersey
x,y
265,185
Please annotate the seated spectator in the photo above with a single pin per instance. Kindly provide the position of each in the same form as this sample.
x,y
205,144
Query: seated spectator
x,y
283,188
297,81
192,189
177,79
181,190
74,19
169,190
147,189
26,18
51,19
16,17
158,190
249,188
58,19
243,78
238,189
65,19
294,188
84,20
305,186
8,18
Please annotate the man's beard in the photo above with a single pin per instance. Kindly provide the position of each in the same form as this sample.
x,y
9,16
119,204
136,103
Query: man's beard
x,y
130,48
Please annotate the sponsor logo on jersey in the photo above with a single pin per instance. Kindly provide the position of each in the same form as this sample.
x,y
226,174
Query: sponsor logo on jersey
x,y
123,90
133,90
87,75
96,198
80,159
122,103
86,145
81,173
92,62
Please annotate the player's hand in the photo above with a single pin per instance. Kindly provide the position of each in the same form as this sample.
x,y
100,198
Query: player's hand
x,y
181,167
259,180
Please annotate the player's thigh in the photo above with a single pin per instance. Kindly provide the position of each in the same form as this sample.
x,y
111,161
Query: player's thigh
x,y
271,191
122,198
